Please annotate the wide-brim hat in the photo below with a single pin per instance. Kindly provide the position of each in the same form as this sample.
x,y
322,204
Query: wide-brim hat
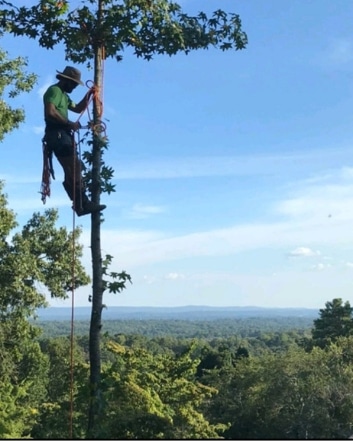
x,y
72,74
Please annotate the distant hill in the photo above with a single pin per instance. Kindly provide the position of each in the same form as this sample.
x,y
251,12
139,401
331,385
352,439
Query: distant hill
x,y
176,313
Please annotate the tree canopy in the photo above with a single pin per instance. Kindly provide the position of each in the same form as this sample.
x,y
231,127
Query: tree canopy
x,y
34,261
149,27
335,320
13,80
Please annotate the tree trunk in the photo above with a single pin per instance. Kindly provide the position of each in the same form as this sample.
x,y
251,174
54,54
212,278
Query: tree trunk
x,y
97,274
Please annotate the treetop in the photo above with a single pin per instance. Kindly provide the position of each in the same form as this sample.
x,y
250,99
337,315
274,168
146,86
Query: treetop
x,y
149,27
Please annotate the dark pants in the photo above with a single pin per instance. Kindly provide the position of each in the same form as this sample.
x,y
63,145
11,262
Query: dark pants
x,y
62,143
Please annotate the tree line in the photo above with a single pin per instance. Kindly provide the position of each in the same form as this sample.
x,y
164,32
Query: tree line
x,y
256,327
260,384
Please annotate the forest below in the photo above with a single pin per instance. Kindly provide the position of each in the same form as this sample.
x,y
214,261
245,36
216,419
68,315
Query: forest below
x,y
249,378
244,328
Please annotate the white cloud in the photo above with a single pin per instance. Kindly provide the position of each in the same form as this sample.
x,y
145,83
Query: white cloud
x,y
48,82
303,252
140,248
306,221
324,198
321,266
141,211
38,130
31,204
196,166
149,279
349,264
174,276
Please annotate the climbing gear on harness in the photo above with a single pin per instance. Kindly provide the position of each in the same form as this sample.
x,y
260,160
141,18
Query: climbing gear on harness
x,y
48,170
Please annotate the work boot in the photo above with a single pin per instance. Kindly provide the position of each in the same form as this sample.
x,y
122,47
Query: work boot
x,y
82,204
89,207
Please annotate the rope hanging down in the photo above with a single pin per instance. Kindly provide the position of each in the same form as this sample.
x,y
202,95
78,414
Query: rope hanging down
x,y
48,172
72,341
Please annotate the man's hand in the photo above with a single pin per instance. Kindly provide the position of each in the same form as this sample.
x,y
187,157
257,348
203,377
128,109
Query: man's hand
x,y
74,125
92,91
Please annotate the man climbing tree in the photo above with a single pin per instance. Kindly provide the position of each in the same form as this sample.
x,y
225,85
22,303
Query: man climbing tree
x,y
94,31
59,136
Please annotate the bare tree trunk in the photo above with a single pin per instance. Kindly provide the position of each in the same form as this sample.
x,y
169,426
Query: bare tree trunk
x,y
97,274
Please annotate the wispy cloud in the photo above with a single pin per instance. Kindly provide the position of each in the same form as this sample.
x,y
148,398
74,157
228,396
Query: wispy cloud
x,y
149,279
328,198
340,51
337,54
19,179
141,211
42,89
304,220
38,130
321,266
303,252
196,166
30,205
174,276
145,249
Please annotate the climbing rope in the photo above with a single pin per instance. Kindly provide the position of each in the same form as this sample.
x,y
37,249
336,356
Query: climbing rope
x,y
77,154
72,326
48,171
73,283
100,127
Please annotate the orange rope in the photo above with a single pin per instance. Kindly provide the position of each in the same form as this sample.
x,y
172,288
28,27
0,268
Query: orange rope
x,y
100,128
72,333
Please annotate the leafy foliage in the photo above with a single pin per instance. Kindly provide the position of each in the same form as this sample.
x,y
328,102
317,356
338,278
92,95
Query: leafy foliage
x,y
292,395
151,388
154,396
118,282
13,81
149,27
336,320
36,256
54,417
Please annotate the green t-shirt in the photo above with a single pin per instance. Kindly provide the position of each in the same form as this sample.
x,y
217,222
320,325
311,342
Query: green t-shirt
x,y
60,99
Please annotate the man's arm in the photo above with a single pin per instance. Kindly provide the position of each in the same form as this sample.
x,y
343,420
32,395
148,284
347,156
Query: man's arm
x,y
81,106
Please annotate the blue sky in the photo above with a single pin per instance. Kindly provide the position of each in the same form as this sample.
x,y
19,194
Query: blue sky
x,y
233,171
